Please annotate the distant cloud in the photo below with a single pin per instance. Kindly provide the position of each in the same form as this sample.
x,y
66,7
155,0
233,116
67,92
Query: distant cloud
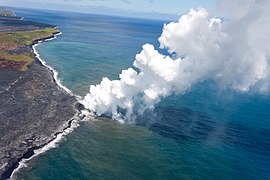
x,y
126,1
84,0
150,1
155,8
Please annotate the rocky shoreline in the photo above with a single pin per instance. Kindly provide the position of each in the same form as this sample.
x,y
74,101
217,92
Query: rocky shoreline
x,y
33,111
31,152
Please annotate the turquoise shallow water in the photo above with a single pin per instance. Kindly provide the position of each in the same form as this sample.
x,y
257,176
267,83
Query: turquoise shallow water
x,y
207,133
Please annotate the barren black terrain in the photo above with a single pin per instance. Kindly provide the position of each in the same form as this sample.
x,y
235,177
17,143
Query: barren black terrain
x,y
33,109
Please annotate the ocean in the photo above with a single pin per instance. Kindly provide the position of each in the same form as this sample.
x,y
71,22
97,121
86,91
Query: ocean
x,y
207,133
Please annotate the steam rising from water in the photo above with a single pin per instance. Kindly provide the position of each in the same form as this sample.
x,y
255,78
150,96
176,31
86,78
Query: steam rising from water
x,y
234,53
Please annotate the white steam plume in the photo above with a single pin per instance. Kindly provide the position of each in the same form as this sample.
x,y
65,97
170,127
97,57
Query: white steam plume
x,y
234,53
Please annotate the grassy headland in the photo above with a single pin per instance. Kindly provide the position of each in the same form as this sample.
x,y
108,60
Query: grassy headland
x,y
12,44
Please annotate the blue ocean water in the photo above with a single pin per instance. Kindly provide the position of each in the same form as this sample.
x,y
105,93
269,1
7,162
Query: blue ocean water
x,y
207,133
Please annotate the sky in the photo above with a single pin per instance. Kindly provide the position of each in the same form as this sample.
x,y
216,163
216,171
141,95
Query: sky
x,y
157,8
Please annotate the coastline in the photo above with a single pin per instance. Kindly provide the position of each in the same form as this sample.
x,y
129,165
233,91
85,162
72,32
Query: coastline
x,y
67,128
55,73
62,131
34,152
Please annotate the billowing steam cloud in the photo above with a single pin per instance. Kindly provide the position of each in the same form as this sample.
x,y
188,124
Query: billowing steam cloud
x,y
233,52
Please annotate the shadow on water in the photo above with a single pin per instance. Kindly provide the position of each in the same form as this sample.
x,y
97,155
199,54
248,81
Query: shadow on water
x,y
182,125
185,125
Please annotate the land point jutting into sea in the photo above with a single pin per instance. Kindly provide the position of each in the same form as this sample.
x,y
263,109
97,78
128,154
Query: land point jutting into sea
x,y
16,37
33,109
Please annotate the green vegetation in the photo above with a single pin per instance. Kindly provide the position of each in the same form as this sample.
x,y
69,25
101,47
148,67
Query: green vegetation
x,y
25,37
11,42
25,58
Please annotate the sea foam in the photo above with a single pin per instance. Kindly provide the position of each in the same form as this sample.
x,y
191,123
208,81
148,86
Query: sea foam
x,y
55,73
74,120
